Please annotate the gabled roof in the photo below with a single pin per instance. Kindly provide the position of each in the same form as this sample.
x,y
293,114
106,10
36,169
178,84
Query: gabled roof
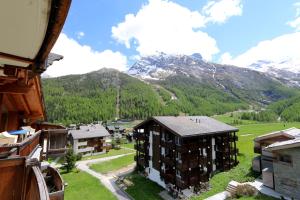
x,y
291,133
284,145
90,131
187,126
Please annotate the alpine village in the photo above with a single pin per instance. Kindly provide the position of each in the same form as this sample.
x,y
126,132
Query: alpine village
x,y
171,126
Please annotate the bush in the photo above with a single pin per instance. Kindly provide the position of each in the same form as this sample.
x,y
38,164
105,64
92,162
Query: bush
x,y
70,160
245,190
78,156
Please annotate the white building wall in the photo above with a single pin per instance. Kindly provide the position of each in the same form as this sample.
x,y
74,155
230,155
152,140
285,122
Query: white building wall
x,y
153,174
213,143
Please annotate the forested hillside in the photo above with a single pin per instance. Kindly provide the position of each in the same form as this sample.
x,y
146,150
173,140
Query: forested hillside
x,y
93,96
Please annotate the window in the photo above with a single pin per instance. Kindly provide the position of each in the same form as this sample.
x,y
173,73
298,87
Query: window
x,y
285,159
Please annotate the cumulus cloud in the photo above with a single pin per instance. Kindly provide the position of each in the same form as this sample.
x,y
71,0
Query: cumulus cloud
x,y
220,11
279,49
80,34
296,22
79,59
164,26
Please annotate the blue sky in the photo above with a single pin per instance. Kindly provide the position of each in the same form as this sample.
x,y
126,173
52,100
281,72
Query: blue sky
x,y
115,33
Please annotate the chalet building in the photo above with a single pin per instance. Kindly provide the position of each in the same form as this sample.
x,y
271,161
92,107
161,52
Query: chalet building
x,y
279,161
29,30
90,140
183,152
116,131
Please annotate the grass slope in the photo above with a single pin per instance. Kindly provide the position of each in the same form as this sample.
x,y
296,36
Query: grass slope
x,y
243,172
112,165
112,152
143,188
83,186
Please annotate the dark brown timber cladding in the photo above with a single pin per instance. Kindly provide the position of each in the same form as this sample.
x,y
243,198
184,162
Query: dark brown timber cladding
x,y
185,161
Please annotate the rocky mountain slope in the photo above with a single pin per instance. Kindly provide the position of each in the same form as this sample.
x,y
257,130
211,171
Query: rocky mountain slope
x,y
159,85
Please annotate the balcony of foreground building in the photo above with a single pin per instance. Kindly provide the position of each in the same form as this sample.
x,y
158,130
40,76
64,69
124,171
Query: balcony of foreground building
x,y
191,178
22,177
233,138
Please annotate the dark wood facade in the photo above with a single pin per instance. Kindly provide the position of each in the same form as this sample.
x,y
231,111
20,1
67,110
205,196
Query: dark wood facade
x,y
184,161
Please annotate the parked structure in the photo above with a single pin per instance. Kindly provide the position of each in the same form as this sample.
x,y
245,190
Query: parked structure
x,y
29,30
183,152
279,161
90,140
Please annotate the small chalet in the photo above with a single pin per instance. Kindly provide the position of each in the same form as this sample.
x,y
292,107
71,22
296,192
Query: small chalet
x,y
29,30
90,140
116,130
279,161
183,152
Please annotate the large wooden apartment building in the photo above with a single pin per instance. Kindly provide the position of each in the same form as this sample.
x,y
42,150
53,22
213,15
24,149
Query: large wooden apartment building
x,y
29,30
182,152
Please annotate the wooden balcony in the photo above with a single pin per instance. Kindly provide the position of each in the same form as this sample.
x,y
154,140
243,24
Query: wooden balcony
x,y
140,147
182,148
168,177
168,160
141,161
139,136
234,138
181,184
23,148
168,144
185,165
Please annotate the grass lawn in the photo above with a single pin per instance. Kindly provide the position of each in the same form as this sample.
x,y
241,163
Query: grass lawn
x,y
232,118
112,152
128,145
243,172
84,186
112,165
143,188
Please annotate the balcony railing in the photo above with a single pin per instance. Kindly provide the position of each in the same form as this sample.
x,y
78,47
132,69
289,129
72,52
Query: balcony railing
x,y
24,148
140,147
168,178
181,184
234,138
168,160
182,148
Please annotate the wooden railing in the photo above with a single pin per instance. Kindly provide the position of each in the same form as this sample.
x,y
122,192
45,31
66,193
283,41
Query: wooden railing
x,y
24,148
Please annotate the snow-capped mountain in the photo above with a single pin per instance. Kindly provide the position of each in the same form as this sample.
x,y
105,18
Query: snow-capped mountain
x,y
286,71
161,66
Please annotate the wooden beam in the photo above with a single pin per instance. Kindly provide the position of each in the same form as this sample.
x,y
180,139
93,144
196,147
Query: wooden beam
x,y
25,103
15,88
58,15
16,58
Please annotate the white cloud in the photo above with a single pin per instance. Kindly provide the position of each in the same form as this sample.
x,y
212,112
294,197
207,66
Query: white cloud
x,y
220,11
80,34
164,26
225,58
80,59
279,49
296,22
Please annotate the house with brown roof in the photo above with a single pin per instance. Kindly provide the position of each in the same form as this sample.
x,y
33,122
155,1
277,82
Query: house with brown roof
x,y
183,152
279,161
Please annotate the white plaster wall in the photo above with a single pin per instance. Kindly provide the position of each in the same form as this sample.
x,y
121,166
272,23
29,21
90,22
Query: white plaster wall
x,y
154,175
213,143
75,146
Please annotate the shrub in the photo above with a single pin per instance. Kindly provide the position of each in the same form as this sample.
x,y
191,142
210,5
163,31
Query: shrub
x,y
245,190
70,160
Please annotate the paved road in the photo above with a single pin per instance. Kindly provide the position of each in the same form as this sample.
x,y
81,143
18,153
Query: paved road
x,y
107,181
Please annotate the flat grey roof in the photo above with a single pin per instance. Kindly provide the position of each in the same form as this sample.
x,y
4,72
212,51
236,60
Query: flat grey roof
x,y
187,126
90,131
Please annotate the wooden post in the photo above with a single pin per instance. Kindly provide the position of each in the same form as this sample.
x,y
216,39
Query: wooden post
x,y
234,139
